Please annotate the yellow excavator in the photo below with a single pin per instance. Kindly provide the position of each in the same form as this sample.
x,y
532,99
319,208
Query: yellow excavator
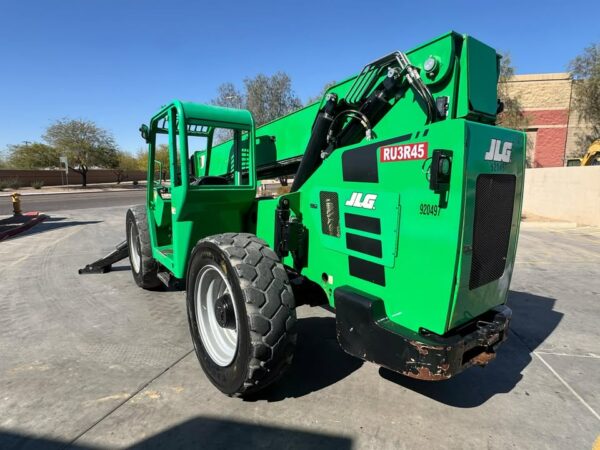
x,y
591,157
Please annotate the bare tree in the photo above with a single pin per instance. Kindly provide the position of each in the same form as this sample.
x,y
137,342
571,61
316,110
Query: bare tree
x,y
229,96
270,97
317,98
267,97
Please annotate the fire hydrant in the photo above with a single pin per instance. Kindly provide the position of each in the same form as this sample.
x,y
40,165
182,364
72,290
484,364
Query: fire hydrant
x,y
16,201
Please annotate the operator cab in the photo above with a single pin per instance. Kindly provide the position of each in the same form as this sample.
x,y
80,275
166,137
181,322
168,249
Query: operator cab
x,y
201,173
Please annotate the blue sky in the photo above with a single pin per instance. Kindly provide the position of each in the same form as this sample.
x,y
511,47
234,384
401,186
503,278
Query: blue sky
x,y
116,61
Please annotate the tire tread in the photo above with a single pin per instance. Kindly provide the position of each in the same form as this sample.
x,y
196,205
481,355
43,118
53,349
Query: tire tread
x,y
269,304
148,277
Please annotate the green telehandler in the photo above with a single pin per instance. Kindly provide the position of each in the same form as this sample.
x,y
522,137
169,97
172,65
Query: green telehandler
x,y
402,219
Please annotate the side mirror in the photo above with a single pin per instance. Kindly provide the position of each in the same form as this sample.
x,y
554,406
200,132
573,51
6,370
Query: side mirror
x,y
145,133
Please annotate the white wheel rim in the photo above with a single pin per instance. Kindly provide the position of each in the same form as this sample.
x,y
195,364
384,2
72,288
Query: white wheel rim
x,y
136,258
220,343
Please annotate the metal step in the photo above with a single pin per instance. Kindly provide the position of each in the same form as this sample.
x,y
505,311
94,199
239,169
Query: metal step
x,y
170,281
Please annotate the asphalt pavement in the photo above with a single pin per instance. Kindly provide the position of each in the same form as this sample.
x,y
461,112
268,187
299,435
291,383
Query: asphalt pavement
x,y
92,361
74,201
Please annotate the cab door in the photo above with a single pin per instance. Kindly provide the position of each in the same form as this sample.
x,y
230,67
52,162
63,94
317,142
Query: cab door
x,y
160,170
213,183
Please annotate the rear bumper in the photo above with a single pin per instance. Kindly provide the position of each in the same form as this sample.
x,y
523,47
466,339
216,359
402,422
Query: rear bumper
x,y
364,331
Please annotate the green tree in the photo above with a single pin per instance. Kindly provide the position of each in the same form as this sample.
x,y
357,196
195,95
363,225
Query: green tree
x,y
126,163
513,115
84,144
35,155
161,154
3,160
267,97
585,70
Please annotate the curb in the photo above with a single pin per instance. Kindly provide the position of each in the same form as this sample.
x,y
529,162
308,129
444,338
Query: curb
x,y
549,224
91,191
38,217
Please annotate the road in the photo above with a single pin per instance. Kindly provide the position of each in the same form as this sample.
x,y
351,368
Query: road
x,y
73,201
95,362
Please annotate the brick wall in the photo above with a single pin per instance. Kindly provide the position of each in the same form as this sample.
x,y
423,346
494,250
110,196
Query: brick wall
x,y
550,147
547,100
550,127
53,177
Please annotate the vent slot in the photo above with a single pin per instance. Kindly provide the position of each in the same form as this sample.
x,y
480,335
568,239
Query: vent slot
x,y
363,223
362,244
494,202
366,270
330,213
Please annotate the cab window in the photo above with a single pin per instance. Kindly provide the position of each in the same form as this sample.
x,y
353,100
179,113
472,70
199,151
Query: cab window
x,y
160,164
218,156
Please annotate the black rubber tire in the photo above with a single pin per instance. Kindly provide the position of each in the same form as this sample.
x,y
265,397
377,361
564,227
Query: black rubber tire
x,y
266,312
147,276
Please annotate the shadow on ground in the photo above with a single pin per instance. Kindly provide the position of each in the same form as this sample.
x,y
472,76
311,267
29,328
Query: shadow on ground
x,y
533,321
318,362
205,433
53,223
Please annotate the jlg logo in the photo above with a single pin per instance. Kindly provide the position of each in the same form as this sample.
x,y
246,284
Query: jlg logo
x,y
360,200
495,154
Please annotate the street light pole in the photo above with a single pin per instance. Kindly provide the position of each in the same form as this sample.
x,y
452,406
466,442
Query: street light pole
x,y
239,99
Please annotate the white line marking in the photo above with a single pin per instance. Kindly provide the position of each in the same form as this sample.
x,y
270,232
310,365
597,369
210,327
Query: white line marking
x,y
562,261
591,355
596,415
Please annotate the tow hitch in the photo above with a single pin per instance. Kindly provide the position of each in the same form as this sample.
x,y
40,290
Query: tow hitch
x,y
103,265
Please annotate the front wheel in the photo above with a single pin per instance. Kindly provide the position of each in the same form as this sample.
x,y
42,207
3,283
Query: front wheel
x,y
241,312
143,266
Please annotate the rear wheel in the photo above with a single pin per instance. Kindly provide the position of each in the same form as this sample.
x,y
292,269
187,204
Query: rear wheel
x,y
143,267
241,312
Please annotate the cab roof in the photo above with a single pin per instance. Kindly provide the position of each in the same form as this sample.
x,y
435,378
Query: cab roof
x,y
211,113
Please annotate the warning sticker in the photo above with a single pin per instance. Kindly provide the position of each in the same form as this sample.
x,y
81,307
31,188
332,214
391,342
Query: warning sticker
x,y
407,152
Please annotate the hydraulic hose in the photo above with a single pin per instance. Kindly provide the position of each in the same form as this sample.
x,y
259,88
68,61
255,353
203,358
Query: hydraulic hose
x,y
311,159
374,108
330,131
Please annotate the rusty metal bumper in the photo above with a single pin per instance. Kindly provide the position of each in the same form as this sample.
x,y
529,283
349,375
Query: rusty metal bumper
x,y
364,331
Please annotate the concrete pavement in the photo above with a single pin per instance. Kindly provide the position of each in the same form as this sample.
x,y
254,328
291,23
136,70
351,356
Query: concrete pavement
x,y
93,361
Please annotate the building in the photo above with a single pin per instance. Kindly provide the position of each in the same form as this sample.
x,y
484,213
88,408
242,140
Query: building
x,y
547,100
